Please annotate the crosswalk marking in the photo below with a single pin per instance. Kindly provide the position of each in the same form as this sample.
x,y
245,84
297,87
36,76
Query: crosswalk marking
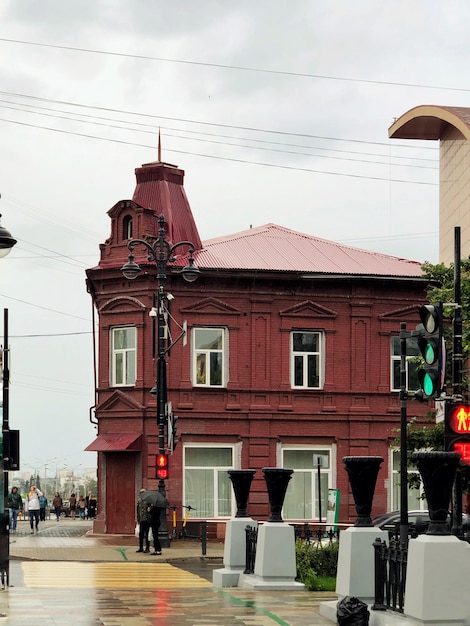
x,y
55,574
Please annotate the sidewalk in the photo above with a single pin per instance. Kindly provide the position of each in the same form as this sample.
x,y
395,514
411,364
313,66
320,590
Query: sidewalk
x,y
64,565
73,540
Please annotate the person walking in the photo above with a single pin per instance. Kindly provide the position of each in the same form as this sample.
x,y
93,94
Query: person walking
x,y
73,505
155,512
91,509
143,518
81,505
15,504
33,507
57,505
42,508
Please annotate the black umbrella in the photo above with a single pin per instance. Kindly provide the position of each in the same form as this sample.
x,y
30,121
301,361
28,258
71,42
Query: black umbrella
x,y
154,498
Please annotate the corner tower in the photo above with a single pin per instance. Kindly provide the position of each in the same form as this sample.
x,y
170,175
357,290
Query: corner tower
x,y
451,126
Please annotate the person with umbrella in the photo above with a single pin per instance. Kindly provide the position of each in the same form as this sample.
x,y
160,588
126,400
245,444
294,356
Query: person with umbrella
x,y
156,503
143,518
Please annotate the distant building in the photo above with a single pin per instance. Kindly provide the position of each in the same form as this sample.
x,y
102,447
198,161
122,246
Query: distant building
x,y
451,126
290,355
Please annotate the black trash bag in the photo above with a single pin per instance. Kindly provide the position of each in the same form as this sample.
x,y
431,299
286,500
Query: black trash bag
x,y
352,612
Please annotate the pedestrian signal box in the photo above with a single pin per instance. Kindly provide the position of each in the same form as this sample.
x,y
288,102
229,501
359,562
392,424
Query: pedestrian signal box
x,y
162,466
457,430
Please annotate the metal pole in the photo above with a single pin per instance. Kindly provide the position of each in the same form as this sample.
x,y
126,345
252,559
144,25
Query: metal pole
x,y
319,487
161,373
403,440
4,511
457,365
457,356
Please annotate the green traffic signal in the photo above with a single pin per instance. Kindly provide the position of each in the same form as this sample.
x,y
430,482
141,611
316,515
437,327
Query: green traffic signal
x,y
429,349
432,349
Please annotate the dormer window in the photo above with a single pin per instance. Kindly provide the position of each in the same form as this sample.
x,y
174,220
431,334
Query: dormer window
x,y
127,227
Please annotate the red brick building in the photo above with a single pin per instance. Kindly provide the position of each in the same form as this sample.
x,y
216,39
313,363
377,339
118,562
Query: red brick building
x,y
289,355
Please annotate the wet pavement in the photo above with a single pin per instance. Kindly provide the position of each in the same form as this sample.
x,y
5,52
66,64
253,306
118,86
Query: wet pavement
x,y
62,576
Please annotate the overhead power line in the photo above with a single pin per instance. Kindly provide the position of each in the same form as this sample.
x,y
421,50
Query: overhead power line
x,y
233,67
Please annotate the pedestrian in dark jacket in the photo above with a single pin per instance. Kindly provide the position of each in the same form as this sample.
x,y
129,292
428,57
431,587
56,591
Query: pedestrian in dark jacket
x,y
143,519
57,505
155,513
15,504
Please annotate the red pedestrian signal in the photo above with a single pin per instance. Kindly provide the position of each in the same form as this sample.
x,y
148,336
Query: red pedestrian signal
x,y
457,430
162,466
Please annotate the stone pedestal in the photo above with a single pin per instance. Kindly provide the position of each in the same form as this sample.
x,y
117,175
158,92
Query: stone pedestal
x,y
234,552
437,578
275,566
235,536
355,576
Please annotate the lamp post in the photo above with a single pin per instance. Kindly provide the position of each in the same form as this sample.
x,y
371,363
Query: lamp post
x,y
6,244
161,252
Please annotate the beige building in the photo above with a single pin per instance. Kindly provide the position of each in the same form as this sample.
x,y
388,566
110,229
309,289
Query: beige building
x,y
451,126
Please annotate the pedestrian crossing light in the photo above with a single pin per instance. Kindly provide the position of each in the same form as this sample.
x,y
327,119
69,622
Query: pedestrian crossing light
x,y
457,430
162,466
432,348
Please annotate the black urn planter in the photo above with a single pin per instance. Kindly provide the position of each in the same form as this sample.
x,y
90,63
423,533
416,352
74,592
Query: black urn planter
x,y
362,472
437,470
277,480
241,483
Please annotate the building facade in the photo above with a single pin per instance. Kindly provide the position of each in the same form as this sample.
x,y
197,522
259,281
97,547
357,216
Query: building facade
x,y
283,351
451,127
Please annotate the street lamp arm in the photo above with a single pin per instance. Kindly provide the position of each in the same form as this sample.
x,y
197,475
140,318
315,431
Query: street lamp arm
x,y
161,253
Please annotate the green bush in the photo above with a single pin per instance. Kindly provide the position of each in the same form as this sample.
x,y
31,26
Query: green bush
x,y
316,563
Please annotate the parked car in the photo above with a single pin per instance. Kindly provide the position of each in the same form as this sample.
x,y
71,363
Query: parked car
x,y
418,521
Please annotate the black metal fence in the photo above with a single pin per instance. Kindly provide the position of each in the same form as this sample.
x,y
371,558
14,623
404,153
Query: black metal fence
x,y
390,575
314,533
250,555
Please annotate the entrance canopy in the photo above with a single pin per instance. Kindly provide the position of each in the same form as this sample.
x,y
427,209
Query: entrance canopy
x,y
114,442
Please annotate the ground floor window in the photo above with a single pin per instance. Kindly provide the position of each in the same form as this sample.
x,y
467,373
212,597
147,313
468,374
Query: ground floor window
x,y
415,500
307,493
207,486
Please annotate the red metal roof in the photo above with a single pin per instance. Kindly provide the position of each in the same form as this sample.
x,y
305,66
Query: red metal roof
x,y
160,188
112,442
275,248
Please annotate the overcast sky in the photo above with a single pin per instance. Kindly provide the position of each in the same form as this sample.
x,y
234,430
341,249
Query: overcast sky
x,y
278,112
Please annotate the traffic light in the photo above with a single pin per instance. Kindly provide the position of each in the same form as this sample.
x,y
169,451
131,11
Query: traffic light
x,y
172,440
162,466
457,430
432,347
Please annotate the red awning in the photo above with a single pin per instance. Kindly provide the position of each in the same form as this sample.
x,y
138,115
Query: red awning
x,y
113,442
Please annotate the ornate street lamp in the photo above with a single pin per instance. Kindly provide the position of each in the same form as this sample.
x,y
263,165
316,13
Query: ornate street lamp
x,y
6,241
6,244
161,252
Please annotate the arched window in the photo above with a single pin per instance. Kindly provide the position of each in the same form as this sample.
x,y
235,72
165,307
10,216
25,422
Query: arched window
x,y
127,227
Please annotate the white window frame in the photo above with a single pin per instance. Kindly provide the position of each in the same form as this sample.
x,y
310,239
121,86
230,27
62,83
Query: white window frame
x,y
415,501
125,354
410,363
329,472
219,469
207,353
320,355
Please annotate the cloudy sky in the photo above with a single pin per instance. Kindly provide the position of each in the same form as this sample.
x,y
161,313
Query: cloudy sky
x,y
278,112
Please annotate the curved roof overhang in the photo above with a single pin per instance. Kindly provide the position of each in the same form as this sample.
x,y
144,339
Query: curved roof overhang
x,y
431,122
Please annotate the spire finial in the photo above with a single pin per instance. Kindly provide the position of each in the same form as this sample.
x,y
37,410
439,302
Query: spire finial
x,y
159,147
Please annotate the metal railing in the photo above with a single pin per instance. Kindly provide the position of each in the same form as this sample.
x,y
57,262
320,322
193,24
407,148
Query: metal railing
x,y
390,575
251,533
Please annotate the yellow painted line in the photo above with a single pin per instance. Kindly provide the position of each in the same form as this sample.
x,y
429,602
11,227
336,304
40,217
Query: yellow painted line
x,y
69,575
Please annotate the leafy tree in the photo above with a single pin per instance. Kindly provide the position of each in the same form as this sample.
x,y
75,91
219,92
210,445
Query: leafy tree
x,y
441,289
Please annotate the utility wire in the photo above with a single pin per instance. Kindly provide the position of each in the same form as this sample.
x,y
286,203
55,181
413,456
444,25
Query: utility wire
x,y
233,67
215,157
